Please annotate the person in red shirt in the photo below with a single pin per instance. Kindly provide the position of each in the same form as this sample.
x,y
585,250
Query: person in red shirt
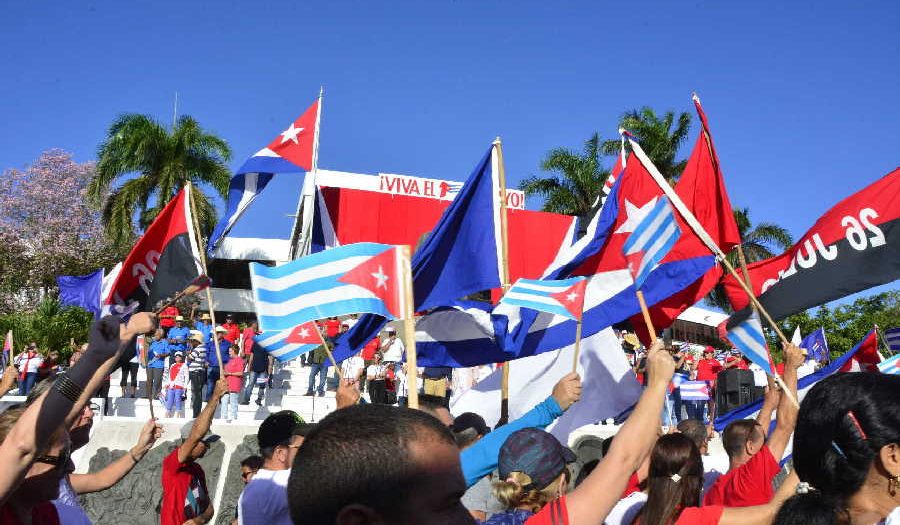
x,y
675,482
248,335
368,355
735,360
167,317
332,327
707,369
185,494
233,330
753,459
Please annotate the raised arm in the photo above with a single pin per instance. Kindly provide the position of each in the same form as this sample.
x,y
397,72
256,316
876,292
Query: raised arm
x,y
112,473
601,490
770,401
202,423
481,458
8,381
787,410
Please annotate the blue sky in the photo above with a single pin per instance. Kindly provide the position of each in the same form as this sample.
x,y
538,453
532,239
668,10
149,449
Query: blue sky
x,y
802,96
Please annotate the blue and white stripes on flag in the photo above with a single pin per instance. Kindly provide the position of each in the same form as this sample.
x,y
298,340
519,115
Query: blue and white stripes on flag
x,y
651,240
275,343
694,391
679,378
242,191
309,288
542,295
890,366
892,336
748,337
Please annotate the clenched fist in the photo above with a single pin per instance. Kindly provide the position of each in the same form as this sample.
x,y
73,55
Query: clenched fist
x,y
568,390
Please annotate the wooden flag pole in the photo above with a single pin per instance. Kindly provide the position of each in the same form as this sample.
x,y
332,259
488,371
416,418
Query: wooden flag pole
x,y
646,313
577,346
337,369
504,270
209,299
409,326
701,232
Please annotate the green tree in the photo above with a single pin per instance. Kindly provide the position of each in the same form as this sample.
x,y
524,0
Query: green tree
x,y
846,324
51,325
759,242
151,165
660,138
577,181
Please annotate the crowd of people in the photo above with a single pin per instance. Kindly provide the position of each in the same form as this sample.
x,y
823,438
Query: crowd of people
x,y
378,463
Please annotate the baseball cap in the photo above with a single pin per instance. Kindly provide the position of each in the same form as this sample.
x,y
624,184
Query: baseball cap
x,y
536,453
179,353
390,330
280,427
469,420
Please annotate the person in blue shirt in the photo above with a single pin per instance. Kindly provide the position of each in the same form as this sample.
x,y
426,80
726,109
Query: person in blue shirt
x,y
157,352
178,336
214,372
204,325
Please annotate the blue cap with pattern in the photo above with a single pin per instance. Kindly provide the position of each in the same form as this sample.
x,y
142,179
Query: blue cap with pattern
x,y
534,452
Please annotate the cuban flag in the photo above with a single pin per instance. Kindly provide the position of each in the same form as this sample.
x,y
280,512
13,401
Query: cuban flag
x,y
651,240
694,391
748,337
291,151
362,277
614,173
563,297
890,366
290,344
461,256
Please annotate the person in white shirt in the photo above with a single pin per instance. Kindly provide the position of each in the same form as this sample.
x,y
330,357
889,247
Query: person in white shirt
x,y
264,499
28,363
392,347
352,368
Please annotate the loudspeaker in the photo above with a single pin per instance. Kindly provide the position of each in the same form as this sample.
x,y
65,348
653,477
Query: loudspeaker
x,y
734,388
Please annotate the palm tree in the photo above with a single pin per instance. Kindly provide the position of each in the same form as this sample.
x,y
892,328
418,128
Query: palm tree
x,y
658,138
764,240
153,165
574,190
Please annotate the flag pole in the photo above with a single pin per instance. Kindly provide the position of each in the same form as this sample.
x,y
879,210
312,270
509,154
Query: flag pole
x,y
701,232
209,300
304,217
409,325
577,346
504,270
337,369
646,313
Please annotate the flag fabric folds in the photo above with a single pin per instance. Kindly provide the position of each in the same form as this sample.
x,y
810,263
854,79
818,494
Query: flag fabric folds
x,y
892,336
291,151
854,246
82,291
563,297
651,240
890,366
748,337
866,357
816,346
278,345
460,256
750,410
360,277
161,264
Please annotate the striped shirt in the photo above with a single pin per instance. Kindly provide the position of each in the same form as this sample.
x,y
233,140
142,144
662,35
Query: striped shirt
x,y
197,358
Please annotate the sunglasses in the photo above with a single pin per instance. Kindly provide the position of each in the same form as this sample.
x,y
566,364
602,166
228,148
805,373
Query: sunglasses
x,y
60,461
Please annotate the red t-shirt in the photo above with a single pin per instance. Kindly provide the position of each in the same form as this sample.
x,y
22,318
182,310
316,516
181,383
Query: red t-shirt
x,y
371,347
233,332
167,317
634,485
748,485
553,513
248,341
332,327
739,363
234,365
700,516
707,369
186,495
41,514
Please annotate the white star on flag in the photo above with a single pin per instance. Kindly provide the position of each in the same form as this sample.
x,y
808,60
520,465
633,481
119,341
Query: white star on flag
x,y
304,333
381,278
291,134
571,297
634,215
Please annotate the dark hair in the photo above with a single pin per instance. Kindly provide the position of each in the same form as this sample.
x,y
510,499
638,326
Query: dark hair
x,y
843,423
466,437
737,434
673,454
359,454
695,430
254,463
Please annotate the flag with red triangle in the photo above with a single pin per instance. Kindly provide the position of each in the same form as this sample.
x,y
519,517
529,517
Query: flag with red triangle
x,y
305,334
563,297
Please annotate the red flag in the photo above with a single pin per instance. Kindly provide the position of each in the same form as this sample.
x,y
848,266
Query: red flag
x,y
295,144
379,275
866,358
702,189
573,298
162,263
305,334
